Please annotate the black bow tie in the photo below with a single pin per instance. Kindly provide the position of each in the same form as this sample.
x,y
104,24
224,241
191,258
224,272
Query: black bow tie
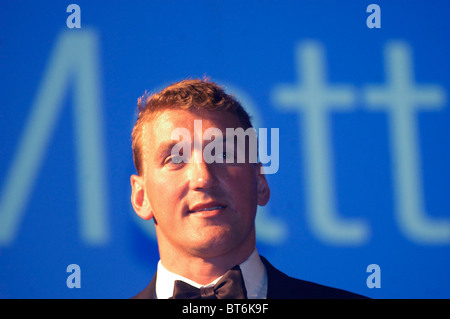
x,y
230,286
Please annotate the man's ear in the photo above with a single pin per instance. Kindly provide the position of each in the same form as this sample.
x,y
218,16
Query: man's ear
x,y
139,198
262,186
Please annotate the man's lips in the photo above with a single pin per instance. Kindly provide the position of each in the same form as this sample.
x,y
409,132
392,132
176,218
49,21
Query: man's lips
x,y
204,207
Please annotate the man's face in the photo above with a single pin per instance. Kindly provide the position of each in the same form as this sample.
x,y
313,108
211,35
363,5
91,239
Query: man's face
x,y
199,208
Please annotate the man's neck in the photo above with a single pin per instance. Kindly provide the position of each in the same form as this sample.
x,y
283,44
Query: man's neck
x,y
205,269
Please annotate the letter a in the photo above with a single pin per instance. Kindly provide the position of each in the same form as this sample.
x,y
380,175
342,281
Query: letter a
x,y
74,280
74,20
374,20
374,280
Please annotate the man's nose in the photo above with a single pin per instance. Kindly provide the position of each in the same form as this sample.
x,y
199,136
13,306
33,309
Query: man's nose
x,y
201,175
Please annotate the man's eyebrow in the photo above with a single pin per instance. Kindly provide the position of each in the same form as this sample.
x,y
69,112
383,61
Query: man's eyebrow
x,y
164,148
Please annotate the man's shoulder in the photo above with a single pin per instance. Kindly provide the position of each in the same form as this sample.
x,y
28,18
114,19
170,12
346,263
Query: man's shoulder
x,y
282,286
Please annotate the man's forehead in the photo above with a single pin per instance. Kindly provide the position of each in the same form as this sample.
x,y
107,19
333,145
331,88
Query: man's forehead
x,y
166,121
157,135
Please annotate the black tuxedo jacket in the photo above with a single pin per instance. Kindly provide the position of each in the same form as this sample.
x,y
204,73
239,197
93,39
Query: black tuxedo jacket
x,y
279,286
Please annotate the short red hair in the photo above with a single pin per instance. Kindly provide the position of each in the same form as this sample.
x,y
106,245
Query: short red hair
x,y
194,94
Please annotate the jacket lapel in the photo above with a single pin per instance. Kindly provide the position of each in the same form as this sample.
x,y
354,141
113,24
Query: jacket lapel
x,y
278,283
149,292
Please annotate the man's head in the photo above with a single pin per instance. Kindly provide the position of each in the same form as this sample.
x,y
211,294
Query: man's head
x,y
201,209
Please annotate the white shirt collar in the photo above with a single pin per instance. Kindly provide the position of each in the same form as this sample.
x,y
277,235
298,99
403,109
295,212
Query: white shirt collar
x,y
253,271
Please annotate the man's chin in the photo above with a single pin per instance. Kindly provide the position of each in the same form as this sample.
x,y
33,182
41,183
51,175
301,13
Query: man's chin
x,y
213,241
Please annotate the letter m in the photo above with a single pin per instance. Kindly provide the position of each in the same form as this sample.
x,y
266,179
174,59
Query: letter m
x,y
74,58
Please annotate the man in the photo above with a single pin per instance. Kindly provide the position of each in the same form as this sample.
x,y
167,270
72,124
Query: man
x,y
204,209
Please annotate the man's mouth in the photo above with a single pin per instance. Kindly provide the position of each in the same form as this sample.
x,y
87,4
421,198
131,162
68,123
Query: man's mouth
x,y
206,208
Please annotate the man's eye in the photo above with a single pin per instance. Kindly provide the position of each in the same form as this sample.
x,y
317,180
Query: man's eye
x,y
177,159
225,156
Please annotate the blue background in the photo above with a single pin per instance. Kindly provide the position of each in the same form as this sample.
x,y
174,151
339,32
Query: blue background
x,y
250,47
